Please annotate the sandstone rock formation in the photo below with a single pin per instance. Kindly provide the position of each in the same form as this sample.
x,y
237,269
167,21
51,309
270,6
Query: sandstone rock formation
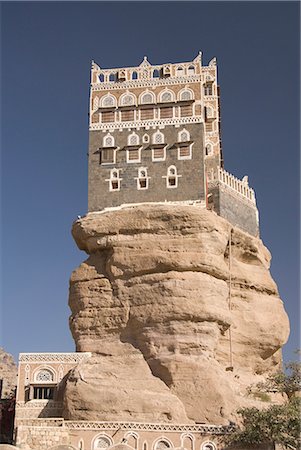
x,y
8,374
152,302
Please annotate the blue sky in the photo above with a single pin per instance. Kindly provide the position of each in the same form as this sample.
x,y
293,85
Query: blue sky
x,y
47,50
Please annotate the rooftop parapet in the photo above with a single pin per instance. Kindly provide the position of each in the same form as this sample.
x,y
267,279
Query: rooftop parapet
x,y
147,71
241,187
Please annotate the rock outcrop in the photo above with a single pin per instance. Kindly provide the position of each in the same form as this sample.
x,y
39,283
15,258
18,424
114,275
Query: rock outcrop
x,y
8,374
152,303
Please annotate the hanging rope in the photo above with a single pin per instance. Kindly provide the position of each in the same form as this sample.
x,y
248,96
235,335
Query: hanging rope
x,y
229,301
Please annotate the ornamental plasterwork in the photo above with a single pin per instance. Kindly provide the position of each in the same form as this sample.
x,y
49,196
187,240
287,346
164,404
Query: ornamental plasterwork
x,y
139,426
147,123
146,83
54,357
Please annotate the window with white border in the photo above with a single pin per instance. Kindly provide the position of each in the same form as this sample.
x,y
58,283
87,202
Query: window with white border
x,y
145,138
44,375
108,101
162,444
166,96
108,140
101,442
133,139
147,98
142,179
186,95
180,71
172,177
191,70
183,136
133,155
127,99
114,180
158,138
208,446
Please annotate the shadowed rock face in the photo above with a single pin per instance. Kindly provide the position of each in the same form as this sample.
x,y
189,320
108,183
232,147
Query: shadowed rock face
x,y
152,303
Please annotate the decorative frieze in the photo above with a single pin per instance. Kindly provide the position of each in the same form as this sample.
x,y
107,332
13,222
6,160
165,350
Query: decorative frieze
x,y
145,123
54,357
141,83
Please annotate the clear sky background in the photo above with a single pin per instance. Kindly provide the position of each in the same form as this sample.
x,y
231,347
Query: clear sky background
x,y
47,50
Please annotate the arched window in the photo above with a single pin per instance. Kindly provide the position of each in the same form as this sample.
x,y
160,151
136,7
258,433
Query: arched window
x,y
101,78
44,376
145,138
158,138
186,95
163,444
81,445
142,180
133,139
166,96
127,99
191,70
102,443
156,73
112,77
147,97
183,136
114,186
108,141
208,149
134,76
108,101
172,177
180,71
208,446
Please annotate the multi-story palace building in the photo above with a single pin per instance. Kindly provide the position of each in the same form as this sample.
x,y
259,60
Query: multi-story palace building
x,y
155,137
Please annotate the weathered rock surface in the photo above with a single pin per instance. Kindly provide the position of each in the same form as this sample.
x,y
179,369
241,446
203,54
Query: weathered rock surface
x,y
154,294
8,374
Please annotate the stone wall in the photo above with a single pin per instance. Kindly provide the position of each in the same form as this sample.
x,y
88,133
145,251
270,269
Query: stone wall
x,y
233,207
191,171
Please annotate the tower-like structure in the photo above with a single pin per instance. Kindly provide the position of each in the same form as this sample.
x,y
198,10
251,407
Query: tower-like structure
x,y
155,137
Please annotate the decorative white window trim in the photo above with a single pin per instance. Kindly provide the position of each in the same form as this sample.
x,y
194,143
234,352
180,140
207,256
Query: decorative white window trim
x,y
171,174
208,445
185,157
142,175
114,178
181,133
155,139
108,140
180,71
144,94
145,139
48,372
191,69
155,159
184,91
128,99
134,161
108,101
103,436
162,439
132,135
164,92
